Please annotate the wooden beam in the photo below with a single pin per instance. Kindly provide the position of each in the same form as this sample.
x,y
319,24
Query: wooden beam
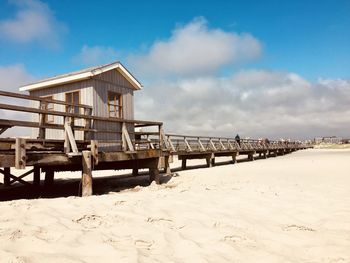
x,y
127,144
3,129
7,172
212,145
154,175
222,145
14,177
201,147
172,148
86,180
49,177
22,176
94,151
20,153
188,147
70,135
36,176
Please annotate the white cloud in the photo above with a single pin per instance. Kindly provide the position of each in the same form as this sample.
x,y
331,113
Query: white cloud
x,y
255,103
95,55
33,22
11,78
196,49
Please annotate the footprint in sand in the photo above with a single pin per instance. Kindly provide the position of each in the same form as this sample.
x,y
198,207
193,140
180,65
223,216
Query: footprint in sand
x,y
164,222
47,236
297,228
17,234
239,240
89,221
143,244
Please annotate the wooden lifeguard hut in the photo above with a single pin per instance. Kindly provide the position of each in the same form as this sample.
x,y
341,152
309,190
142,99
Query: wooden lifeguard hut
x,y
108,89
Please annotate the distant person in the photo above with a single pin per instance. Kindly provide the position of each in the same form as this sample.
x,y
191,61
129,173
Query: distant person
x,y
238,140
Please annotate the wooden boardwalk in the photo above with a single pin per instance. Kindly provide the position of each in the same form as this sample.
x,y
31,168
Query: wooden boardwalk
x,y
135,150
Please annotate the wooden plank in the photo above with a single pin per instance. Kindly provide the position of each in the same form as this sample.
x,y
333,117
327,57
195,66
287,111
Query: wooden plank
x,y
172,148
94,151
36,176
3,129
86,180
7,172
127,139
222,145
69,133
29,97
188,147
201,147
212,145
22,176
15,178
75,115
20,153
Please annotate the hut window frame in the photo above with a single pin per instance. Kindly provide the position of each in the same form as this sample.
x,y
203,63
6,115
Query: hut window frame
x,y
49,106
115,105
76,109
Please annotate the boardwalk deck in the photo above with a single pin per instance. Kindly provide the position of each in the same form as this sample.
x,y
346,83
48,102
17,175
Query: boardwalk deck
x,y
136,150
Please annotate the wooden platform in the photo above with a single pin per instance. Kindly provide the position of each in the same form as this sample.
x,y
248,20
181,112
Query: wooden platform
x,y
150,149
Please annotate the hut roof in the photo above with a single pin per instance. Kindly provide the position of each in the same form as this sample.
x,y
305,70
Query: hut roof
x,y
81,75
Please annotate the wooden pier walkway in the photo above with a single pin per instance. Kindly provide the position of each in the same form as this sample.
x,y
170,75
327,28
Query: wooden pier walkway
x,y
133,149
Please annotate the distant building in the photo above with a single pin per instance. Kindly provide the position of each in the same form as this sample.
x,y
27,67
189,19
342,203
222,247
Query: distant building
x,y
329,140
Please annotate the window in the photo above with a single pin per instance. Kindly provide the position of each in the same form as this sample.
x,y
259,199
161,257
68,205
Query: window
x,y
72,97
48,106
115,105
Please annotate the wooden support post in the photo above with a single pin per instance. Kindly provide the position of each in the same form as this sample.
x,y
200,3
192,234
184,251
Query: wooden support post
x,y
87,124
251,156
167,169
135,171
49,177
94,151
36,176
201,147
188,147
126,141
20,153
234,160
154,174
7,171
172,148
213,161
86,180
66,137
183,166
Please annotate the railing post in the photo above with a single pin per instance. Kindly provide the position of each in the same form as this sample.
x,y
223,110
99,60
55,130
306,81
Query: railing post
x,y
87,124
201,147
42,121
20,153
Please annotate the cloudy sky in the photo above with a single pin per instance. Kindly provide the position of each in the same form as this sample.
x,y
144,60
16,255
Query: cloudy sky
x,y
273,69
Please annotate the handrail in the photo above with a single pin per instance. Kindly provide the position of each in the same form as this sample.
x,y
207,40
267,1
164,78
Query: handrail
x,y
29,97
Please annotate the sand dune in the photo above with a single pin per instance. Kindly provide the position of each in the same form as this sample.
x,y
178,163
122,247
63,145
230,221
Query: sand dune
x,y
294,208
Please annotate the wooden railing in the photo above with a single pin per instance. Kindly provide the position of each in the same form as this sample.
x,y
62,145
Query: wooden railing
x,y
129,140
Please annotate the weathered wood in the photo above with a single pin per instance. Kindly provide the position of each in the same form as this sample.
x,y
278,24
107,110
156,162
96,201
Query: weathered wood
x,y
20,153
135,171
188,147
172,148
94,151
154,175
49,177
3,129
15,178
167,169
222,145
70,135
34,98
212,145
7,172
36,176
87,124
21,176
183,164
127,144
86,180
201,147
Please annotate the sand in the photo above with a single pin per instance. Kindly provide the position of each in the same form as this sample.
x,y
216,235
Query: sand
x,y
293,208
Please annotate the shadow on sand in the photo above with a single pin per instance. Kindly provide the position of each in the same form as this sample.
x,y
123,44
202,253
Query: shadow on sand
x,y
101,185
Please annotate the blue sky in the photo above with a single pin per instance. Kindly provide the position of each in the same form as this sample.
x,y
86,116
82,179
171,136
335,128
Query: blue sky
x,y
257,68
311,38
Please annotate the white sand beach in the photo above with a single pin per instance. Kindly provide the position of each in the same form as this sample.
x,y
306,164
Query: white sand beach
x,y
293,208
